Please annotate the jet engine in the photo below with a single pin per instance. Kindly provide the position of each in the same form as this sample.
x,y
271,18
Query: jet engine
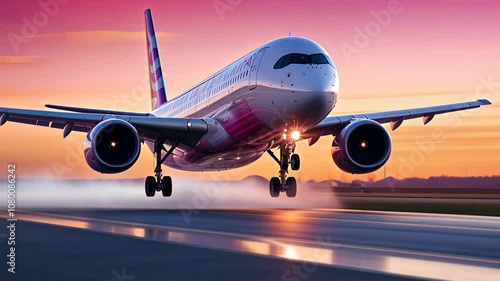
x,y
112,146
361,147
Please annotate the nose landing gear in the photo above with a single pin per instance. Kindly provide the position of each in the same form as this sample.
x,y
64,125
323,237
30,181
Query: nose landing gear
x,y
287,159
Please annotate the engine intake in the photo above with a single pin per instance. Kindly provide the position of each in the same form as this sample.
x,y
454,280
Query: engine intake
x,y
112,146
361,147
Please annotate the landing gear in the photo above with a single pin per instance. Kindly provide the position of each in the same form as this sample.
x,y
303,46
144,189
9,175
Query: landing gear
x,y
167,187
159,183
150,186
295,162
287,158
291,191
275,187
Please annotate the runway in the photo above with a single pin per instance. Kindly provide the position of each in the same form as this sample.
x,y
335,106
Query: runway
x,y
312,244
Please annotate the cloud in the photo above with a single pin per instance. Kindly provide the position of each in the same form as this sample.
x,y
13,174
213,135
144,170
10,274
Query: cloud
x,y
8,60
100,36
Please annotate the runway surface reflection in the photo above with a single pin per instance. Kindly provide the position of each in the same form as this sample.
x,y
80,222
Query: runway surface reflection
x,y
430,246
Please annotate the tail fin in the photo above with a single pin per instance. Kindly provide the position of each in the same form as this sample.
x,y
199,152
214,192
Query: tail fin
x,y
158,92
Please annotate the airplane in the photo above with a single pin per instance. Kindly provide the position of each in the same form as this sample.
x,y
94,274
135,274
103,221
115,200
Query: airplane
x,y
271,98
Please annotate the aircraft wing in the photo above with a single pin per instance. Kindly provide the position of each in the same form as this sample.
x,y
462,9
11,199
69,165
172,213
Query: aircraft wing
x,y
185,131
334,124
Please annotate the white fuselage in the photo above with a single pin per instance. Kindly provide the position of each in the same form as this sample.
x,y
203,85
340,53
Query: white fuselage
x,y
249,104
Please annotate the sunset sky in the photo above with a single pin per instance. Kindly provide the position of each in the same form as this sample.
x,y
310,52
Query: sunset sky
x,y
93,54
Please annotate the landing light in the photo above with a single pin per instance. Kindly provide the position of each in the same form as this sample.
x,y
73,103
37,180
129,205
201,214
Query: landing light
x,y
296,135
363,144
112,144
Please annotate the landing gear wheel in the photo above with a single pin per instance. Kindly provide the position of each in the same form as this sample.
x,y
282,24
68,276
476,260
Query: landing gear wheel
x,y
292,187
295,162
150,186
274,187
166,191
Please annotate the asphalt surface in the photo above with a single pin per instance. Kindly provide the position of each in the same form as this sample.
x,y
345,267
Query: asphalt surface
x,y
313,244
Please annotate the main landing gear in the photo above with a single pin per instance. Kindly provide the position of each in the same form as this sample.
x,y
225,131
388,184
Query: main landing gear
x,y
158,182
287,158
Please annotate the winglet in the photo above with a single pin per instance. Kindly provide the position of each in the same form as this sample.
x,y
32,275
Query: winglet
x,y
158,92
484,101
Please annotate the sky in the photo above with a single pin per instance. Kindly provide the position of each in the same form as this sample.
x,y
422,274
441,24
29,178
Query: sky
x,y
390,55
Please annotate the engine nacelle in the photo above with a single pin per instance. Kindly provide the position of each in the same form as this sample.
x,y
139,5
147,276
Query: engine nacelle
x,y
361,147
112,146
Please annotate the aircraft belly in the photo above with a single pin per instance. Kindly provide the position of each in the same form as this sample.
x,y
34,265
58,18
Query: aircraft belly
x,y
234,139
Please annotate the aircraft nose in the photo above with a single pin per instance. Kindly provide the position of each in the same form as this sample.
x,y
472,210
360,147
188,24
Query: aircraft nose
x,y
311,78
312,106
298,96
312,93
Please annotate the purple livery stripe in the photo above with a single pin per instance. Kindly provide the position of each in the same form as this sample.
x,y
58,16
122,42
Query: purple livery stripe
x,y
158,92
243,125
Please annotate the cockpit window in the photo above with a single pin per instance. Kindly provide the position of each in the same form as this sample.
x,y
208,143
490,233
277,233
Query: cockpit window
x,y
318,59
286,61
302,59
